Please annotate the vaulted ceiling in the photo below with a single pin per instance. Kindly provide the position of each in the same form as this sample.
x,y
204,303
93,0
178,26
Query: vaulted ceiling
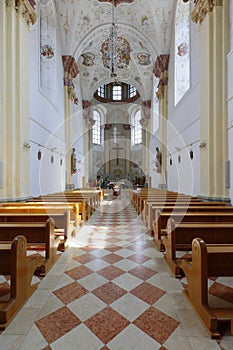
x,y
145,24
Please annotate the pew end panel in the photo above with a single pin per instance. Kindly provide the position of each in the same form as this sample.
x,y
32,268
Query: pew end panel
x,y
208,261
14,262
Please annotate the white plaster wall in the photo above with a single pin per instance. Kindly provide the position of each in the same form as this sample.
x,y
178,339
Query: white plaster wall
x,y
46,125
230,101
183,127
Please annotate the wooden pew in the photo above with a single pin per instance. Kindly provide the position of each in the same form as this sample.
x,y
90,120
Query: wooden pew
x,y
40,236
161,219
35,214
84,204
147,203
208,261
14,262
206,206
75,209
179,237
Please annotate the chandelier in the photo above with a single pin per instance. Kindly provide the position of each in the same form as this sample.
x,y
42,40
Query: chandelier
x,y
115,49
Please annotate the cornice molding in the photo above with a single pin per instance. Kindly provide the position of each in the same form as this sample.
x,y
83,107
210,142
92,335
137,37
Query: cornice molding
x,y
203,8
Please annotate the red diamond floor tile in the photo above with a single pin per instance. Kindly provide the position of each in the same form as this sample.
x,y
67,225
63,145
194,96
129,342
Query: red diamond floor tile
x,y
142,272
112,258
109,292
113,240
139,258
148,293
83,259
112,248
156,324
70,292
221,291
110,272
57,324
79,272
107,324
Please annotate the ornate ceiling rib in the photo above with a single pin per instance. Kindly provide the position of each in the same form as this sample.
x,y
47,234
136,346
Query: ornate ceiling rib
x,y
117,2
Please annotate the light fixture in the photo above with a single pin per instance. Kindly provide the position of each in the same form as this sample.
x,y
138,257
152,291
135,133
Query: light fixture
x,y
52,158
39,154
61,161
115,134
191,153
179,158
170,160
115,49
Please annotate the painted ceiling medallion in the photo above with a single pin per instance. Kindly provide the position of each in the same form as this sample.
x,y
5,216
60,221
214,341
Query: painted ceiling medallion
x,y
47,51
122,53
117,2
88,59
144,58
182,49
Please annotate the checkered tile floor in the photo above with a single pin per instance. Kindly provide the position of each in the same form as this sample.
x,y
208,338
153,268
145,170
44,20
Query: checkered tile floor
x,y
113,290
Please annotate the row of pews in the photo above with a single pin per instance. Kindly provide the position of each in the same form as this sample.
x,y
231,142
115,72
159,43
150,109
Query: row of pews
x,y
197,240
43,224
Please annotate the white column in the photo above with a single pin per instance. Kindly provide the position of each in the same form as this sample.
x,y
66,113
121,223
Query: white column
x,y
213,115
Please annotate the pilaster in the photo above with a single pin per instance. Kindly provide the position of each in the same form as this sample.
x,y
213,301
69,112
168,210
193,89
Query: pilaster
x,y
15,97
213,115
70,72
161,72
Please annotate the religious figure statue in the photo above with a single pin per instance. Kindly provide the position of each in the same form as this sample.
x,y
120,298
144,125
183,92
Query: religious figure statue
x,y
158,160
73,162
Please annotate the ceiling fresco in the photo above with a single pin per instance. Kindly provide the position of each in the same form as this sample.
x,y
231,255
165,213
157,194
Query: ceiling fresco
x,y
85,25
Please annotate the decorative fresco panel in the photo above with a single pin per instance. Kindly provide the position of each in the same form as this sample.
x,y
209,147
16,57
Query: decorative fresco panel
x,y
182,50
88,59
48,59
144,58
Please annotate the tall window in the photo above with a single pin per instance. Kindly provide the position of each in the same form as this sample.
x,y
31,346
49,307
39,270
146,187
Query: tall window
x,y
132,91
137,127
182,49
96,129
117,93
101,91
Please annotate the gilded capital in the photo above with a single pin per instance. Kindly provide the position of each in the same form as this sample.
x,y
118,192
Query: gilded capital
x,y
202,8
27,10
10,3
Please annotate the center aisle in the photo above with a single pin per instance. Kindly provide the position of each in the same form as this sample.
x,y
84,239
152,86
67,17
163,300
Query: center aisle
x,y
110,290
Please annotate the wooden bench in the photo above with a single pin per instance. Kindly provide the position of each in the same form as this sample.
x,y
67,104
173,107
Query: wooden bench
x,y
40,236
84,204
146,203
182,209
208,261
34,214
161,219
179,237
20,268
76,210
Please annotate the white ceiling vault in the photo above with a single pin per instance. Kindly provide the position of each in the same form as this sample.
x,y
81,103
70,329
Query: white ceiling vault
x,y
85,24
